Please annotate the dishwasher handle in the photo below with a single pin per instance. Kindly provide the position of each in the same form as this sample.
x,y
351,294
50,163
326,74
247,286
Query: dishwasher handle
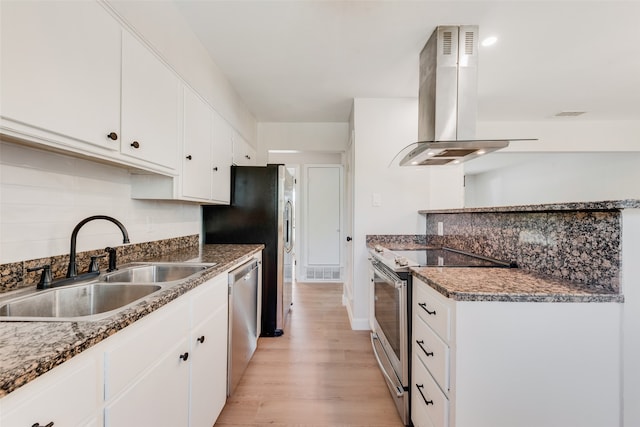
x,y
244,270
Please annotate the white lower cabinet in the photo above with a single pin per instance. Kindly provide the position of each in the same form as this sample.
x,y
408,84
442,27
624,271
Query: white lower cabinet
x,y
170,368
208,392
505,364
146,376
156,398
70,395
167,369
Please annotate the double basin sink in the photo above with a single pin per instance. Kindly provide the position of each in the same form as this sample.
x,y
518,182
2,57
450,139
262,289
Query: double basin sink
x,y
99,296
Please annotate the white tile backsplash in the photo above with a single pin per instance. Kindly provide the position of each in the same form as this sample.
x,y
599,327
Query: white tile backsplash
x,y
43,195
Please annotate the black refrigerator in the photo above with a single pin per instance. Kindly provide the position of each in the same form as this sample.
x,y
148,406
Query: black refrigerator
x,y
261,211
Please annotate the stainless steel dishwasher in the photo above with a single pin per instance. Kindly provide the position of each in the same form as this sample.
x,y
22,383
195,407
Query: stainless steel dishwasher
x,y
243,320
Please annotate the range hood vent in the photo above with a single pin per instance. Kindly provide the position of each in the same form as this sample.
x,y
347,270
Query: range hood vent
x,y
447,101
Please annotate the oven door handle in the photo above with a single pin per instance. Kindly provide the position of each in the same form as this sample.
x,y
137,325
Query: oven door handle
x,y
395,281
398,388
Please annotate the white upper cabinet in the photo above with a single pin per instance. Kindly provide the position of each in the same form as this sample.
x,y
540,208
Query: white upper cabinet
x,y
243,153
221,159
205,175
196,153
151,100
61,74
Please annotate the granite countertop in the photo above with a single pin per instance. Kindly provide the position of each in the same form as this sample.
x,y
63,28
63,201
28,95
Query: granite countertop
x,y
498,284
29,349
609,205
507,284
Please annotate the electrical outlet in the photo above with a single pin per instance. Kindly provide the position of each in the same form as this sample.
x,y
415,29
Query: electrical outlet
x,y
440,228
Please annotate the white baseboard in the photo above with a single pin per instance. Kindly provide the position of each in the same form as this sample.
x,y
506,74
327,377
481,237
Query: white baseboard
x,y
357,324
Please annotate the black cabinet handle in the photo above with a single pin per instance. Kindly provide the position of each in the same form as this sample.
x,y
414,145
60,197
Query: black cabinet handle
x,y
113,136
248,157
420,343
135,144
349,238
46,425
189,157
184,356
424,307
420,387
215,168
201,339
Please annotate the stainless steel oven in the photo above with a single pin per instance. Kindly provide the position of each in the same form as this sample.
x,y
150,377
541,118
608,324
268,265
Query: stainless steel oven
x,y
391,334
391,320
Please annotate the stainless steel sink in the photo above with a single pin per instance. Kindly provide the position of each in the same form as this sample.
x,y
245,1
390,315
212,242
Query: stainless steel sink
x,y
154,273
76,301
97,297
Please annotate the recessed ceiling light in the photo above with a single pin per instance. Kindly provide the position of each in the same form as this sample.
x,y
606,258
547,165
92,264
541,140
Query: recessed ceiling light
x,y
489,41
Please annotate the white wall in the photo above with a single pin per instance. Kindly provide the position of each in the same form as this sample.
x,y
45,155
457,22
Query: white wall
x,y
565,134
382,128
43,196
161,24
304,137
557,177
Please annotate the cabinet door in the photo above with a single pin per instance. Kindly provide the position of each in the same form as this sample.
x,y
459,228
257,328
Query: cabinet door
x,y
60,72
209,316
68,395
151,105
221,159
209,369
243,153
158,398
196,156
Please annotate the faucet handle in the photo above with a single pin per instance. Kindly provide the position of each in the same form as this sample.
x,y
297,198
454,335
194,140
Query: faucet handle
x,y
95,264
45,277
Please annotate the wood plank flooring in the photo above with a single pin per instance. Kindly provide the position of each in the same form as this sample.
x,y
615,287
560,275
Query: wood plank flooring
x,y
319,373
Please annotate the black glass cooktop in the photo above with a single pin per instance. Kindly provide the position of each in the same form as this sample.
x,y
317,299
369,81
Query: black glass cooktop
x,y
443,257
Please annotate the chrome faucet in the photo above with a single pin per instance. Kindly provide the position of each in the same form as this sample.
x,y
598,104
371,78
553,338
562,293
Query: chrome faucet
x,y
71,270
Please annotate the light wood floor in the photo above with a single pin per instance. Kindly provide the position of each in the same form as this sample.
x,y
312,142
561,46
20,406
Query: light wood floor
x,y
319,373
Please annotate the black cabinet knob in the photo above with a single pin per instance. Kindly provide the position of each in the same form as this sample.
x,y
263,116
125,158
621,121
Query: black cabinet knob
x,y
113,136
201,339
215,168
189,157
184,356
349,238
135,144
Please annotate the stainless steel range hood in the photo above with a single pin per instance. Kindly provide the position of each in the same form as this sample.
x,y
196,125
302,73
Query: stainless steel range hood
x,y
447,101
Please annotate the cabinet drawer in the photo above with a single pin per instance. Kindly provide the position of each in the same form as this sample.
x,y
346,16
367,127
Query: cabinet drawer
x,y
140,345
435,313
427,396
419,416
209,297
432,351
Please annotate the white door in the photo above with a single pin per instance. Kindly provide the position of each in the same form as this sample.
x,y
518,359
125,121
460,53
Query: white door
x,y
323,218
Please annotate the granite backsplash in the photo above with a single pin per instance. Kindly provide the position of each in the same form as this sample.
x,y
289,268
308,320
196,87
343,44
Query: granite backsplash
x,y
577,246
15,276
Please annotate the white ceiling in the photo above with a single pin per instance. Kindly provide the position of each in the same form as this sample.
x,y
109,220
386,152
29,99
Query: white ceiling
x,y
304,61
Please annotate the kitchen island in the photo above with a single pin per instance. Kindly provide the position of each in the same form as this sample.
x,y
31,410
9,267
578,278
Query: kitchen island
x,y
30,349
548,343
